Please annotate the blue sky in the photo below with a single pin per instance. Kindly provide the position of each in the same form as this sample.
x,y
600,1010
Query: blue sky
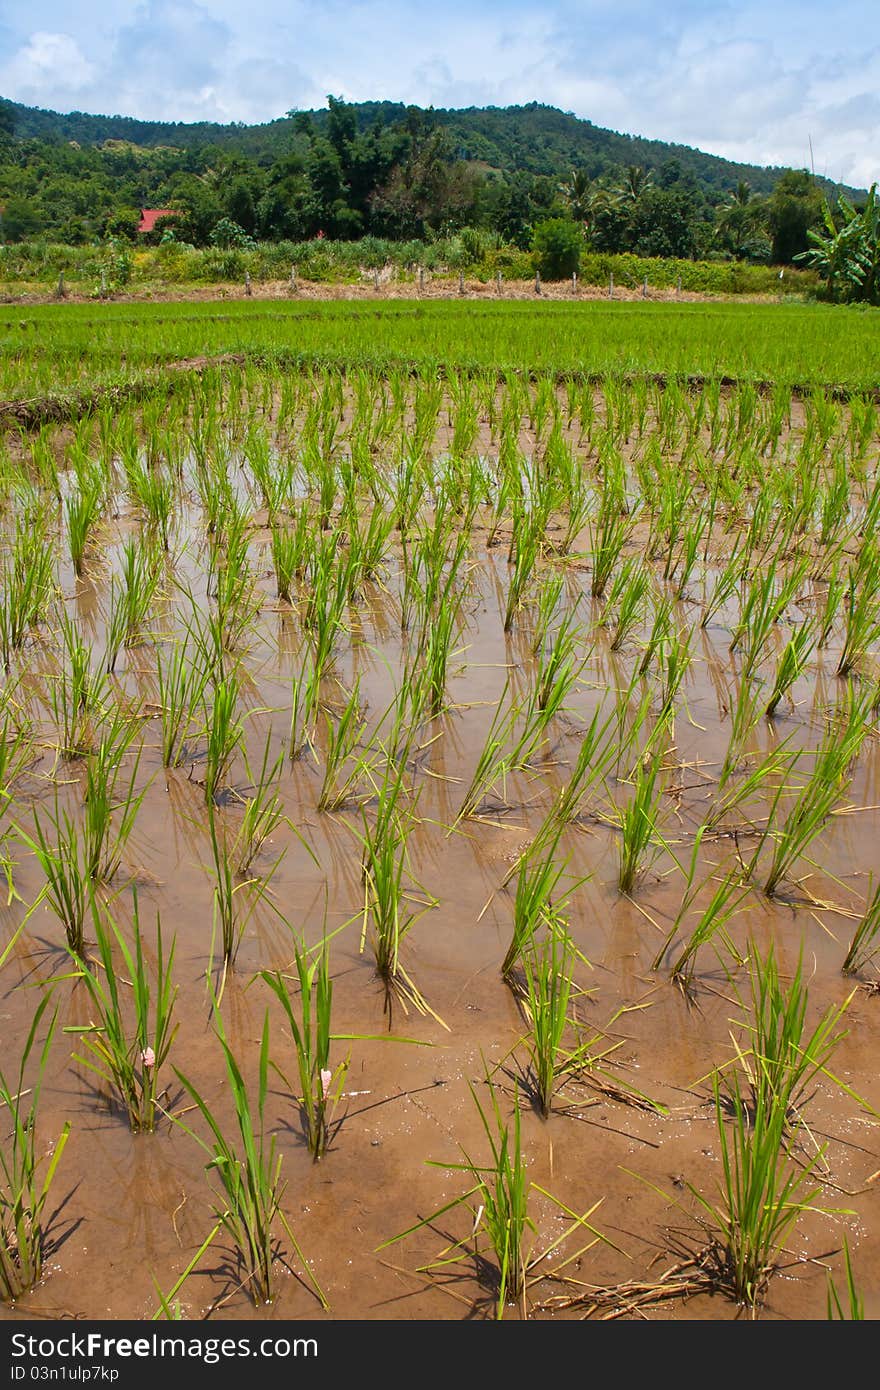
x,y
752,81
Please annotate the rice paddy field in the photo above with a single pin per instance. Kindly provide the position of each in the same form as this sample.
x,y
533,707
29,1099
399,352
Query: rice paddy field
x,y
439,809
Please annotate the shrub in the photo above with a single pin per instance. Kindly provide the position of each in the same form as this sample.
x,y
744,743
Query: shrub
x,y
557,244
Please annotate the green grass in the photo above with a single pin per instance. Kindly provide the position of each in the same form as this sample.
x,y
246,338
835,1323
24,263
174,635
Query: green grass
x,y
788,343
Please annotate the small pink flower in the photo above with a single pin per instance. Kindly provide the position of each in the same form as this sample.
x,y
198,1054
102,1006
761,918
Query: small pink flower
x,y
326,1078
148,1057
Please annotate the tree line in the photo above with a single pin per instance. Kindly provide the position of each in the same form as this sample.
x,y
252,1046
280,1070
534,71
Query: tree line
x,y
402,176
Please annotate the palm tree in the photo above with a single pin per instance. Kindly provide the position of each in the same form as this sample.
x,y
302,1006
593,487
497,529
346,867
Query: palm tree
x,y
636,181
585,198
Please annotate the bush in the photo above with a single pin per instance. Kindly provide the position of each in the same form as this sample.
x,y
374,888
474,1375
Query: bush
x,y
557,243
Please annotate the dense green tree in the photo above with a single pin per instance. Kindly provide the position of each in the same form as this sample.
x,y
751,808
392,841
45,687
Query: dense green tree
x,y
557,243
794,208
20,220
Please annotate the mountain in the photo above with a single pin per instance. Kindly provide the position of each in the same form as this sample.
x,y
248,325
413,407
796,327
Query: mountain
x,y
535,138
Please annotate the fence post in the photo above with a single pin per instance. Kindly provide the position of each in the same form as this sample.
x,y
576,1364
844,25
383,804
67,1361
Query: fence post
x,y
574,282
421,279
678,288
247,283
60,291
645,288
611,285
376,280
498,282
537,282
103,284
461,282
293,279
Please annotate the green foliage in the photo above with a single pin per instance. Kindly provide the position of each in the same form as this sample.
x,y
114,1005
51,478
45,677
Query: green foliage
x,y
557,244
847,256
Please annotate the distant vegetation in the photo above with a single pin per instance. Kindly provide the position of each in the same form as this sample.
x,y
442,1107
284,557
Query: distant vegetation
x,y
489,186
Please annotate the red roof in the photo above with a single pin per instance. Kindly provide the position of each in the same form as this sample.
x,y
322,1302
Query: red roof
x,y
150,216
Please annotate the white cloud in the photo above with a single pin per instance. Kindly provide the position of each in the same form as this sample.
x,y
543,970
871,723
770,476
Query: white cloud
x,y
46,64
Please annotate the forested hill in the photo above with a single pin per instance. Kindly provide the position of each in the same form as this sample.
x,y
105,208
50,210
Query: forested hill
x,y
535,139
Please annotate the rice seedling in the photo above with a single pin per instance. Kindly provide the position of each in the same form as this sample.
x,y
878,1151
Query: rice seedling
x,y
247,1166
795,655
82,509
62,855
131,600
861,611
815,801
170,1306
712,920
263,811
765,1189
711,925
182,682
303,705
389,886
24,1191
781,1060
235,899
341,768
639,824
224,734
288,555
320,1086
526,545
863,948
77,694
547,969
598,749
26,584
537,902
493,761
853,1310
110,808
128,1056
633,584
498,1204
609,535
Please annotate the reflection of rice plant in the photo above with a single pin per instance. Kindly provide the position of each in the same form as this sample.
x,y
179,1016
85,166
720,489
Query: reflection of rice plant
x,y
23,1193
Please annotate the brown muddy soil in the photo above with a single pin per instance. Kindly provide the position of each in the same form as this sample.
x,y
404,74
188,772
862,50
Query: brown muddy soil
x,y
631,1141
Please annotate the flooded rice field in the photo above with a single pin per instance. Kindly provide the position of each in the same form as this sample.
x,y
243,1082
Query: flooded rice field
x,y
438,833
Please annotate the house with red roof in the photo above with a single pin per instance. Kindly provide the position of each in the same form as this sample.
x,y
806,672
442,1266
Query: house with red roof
x,y
150,216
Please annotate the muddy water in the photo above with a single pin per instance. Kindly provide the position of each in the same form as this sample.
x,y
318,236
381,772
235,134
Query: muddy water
x,y
132,1210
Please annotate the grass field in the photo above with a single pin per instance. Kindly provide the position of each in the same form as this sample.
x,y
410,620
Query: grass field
x,y
47,348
